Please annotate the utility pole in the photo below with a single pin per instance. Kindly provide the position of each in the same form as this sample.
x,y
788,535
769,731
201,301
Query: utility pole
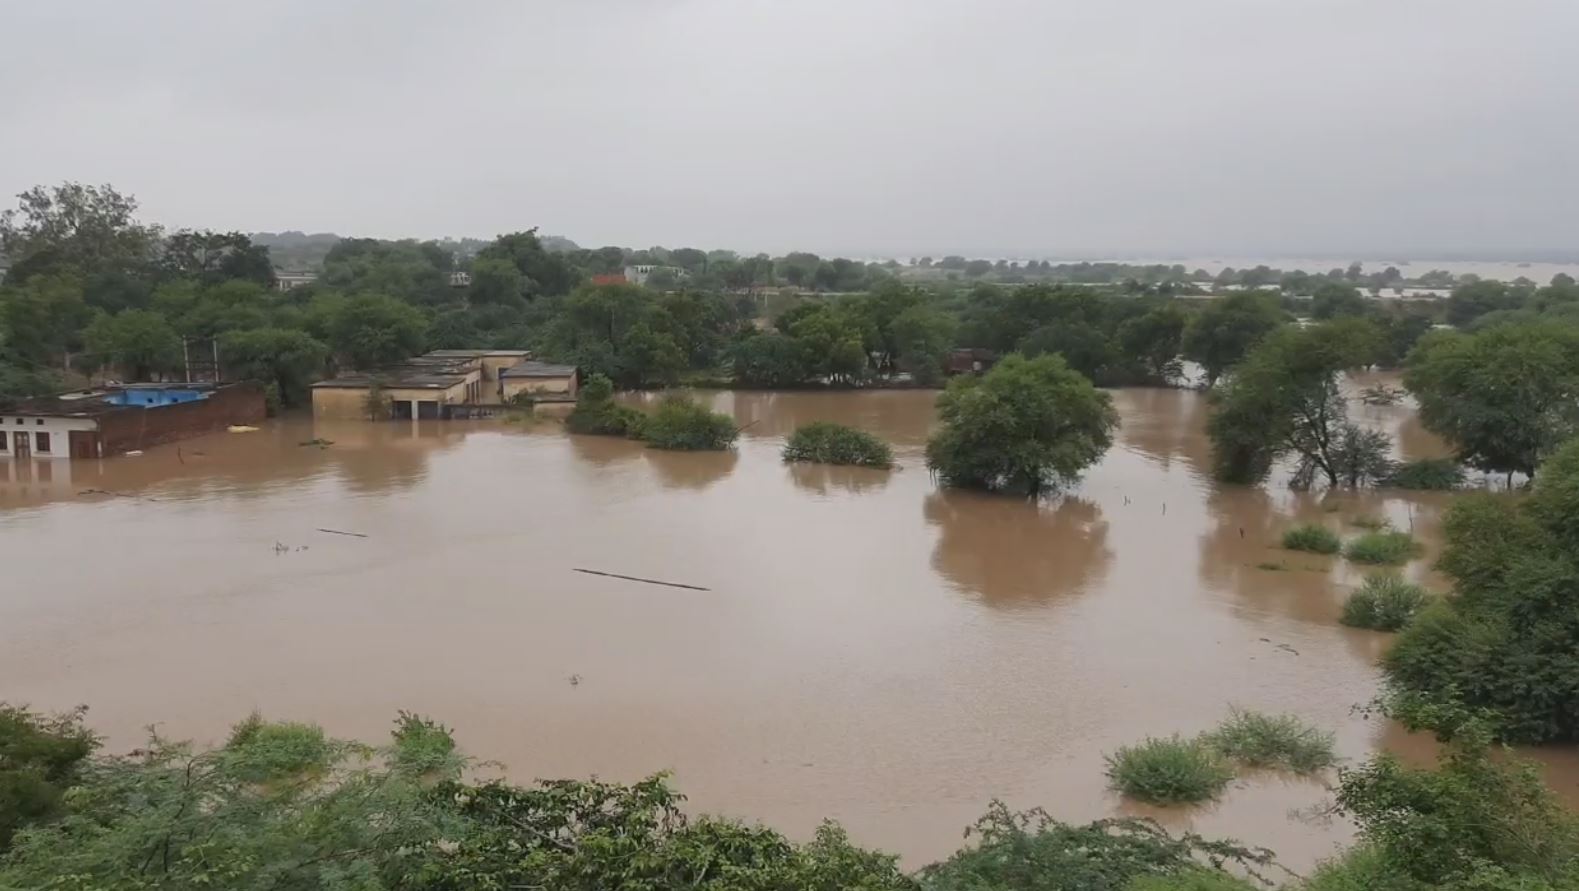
x,y
186,359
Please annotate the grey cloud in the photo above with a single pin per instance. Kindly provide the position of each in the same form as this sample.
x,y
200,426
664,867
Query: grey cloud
x,y
1057,127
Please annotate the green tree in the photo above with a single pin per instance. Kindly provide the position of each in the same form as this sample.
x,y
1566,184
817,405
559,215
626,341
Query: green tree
x,y
544,272
921,336
1333,300
44,319
1222,333
1471,300
1504,397
213,257
372,330
1506,644
290,360
1026,425
138,341
495,280
1285,399
74,229
1153,342
40,758
770,359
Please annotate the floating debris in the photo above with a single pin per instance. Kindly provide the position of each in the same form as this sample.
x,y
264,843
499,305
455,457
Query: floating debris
x,y
635,578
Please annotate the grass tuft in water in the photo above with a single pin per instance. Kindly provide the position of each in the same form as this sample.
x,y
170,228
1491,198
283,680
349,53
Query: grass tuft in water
x,y
1270,566
1384,603
1169,770
1370,523
1389,548
1312,537
1255,739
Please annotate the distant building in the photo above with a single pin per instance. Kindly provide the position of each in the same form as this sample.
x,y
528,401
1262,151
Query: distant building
x,y
460,279
433,386
613,278
289,281
108,421
542,381
638,275
970,360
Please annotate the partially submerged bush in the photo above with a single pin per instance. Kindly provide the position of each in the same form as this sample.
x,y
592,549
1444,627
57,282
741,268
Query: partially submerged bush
x,y
1384,548
1438,474
1385,602
1312,537
422,744
825,443
596,413
682,423
1284,742
1169,770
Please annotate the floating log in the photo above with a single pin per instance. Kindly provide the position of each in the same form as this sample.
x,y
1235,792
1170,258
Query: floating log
x,y
634,578
338,532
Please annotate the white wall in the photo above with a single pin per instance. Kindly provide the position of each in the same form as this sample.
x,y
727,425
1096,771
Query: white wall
x,y
57,428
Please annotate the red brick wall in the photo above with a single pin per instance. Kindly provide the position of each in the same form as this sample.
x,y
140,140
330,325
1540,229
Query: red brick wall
x,y
125,429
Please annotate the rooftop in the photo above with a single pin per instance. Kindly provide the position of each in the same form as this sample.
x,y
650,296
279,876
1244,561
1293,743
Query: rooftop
x,y
474,354
403,382
538,369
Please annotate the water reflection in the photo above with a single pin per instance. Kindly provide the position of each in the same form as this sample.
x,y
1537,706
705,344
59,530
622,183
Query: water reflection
x,y
825,478
603,451
690,470
1013,552
1164,425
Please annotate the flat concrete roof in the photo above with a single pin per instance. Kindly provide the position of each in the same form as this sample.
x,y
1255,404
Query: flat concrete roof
x,y
408,382
474,354
538,369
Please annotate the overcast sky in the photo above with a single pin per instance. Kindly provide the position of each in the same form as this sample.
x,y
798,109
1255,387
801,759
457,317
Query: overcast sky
x,y
1036,127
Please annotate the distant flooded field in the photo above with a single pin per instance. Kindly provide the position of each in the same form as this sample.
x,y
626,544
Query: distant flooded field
x,y
869,648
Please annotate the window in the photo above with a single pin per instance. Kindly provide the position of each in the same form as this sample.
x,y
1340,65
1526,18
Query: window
x,y
39,422
41,441
2,441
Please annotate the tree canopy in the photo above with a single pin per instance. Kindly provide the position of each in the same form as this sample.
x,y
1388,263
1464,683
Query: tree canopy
x,y
1224,332
1026,426
1503,397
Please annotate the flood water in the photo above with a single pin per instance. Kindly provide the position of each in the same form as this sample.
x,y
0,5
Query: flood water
x,y
871,649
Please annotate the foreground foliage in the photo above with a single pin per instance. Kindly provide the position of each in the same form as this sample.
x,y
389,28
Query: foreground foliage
x,y
40,756
1507,642
1025,426
826,443
1169,770
1384,602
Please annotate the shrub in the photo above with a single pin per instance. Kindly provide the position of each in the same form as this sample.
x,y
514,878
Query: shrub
x,y
1033,852
1387,548
1369,523
1384,603
39,758
1279,741
1168,771
1437,474
1026,426
597,414
824,443
1192,880
681,423
264,750
1312,537
421,744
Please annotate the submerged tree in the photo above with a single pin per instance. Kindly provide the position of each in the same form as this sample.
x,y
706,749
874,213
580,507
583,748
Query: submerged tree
x,y
1285,399
1504,397
1221,334
1025,426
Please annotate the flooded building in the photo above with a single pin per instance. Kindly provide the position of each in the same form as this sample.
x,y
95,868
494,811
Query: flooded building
x,y
426,387
109,421
543,381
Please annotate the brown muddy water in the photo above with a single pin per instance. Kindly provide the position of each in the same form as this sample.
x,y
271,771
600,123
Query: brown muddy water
x,y
871,649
